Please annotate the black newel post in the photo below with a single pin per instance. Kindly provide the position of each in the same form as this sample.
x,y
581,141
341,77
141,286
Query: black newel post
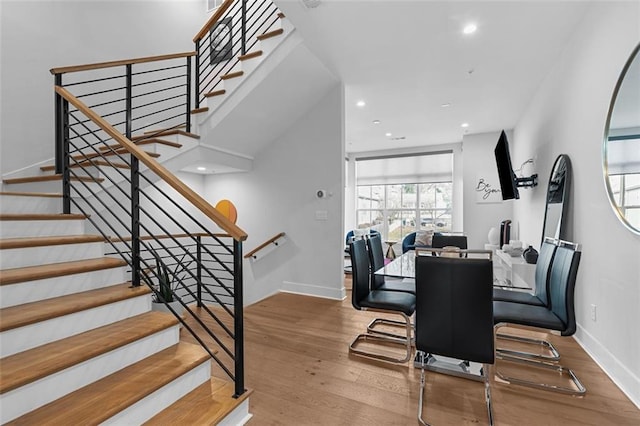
x,y
197,76
199,271
238,318
135,189
188,101
244,27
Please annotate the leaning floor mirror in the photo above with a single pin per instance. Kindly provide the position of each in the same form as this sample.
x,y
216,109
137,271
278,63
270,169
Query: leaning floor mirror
x,y
621,148
557,206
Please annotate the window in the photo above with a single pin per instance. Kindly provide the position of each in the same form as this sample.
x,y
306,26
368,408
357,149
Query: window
x,y
399,195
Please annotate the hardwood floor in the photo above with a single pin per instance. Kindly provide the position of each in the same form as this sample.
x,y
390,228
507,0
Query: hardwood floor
x,y
301,373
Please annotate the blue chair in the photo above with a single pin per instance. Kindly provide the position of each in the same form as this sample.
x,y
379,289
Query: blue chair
x,y
409,242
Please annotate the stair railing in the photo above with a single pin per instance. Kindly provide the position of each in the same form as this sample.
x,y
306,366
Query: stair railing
x,y
148,215
228,34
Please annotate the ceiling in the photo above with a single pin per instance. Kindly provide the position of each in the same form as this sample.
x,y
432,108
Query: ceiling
x,y
420,76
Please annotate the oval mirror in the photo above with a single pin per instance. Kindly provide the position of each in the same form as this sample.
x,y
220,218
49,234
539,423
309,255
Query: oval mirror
x,y
557,206
621,151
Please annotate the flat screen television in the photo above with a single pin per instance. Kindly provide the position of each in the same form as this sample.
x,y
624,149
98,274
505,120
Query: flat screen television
x,y
508,181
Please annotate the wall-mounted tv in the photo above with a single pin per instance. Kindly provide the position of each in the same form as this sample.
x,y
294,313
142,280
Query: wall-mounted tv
x,y
509,183
508,180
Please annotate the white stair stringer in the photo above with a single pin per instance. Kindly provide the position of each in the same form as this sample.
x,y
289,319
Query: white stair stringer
x,y
34,335
41,228
149,406
32,256
47,288
27,398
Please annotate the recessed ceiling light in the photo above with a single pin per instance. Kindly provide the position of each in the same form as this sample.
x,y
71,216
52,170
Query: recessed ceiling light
x,y
202,169
470,28
387,134
376,121
446,105
361,103
465,125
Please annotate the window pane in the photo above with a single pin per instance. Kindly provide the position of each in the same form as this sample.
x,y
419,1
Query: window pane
x,y
632,190
364,219
364,197
377,197
409,196
443,195
427,195
394,196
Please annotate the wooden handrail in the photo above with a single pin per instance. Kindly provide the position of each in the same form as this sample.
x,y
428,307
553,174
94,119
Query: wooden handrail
x,y
214,19
100,65
191,196
263,245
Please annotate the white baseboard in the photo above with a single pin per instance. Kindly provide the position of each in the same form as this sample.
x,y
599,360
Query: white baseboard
x,y
625,379
314,290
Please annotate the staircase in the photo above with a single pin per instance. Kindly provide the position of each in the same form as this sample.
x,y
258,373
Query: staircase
x,y
78,343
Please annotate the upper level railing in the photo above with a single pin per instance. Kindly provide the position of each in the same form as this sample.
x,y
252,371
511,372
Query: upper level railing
x,y
230,33
150,218
133,95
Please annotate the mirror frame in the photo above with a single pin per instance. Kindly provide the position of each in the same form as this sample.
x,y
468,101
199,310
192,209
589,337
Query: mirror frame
x,y
605,163
563,232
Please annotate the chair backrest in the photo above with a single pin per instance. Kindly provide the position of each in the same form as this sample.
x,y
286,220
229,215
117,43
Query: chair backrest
x,y
376,260
441,241
408,240
562,282
543,270
359,271
454,307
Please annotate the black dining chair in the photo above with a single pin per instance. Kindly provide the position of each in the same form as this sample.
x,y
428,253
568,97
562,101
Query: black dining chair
x,y
389,302
539,298
454,314
559,316
380,282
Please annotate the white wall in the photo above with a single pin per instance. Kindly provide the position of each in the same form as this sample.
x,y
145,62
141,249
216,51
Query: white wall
x,y
279,195
568,115
480,163
36,36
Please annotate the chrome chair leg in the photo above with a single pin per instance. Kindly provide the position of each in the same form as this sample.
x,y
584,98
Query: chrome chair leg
x,y
371,328
487,392
555,355
405,341
421,400
579,387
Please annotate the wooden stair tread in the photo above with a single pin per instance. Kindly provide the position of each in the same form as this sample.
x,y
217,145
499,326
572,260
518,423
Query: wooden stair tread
x,y
107,397
215,93
43,310
42,216
89,164
270,34
47,178
232,75
32,194
250,55
199,110
13,243
34,364
205,405
146,142
166,132
32,273
85,157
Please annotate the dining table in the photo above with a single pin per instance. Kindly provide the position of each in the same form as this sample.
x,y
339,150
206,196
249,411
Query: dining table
x,y
404,267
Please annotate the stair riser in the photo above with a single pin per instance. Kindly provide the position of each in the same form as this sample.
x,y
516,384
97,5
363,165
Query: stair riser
x,y
12,204
148,407
40,228
32,291
30,336
29,397
239,416
31,256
